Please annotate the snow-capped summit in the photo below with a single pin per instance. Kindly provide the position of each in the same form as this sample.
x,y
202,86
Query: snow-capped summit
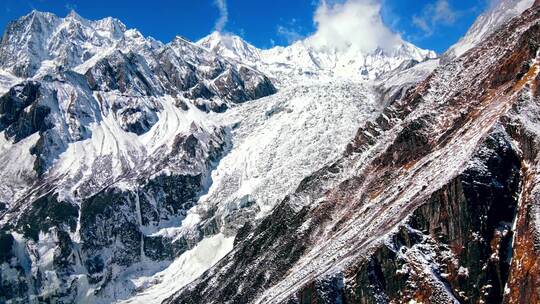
x,y
231,46
303,60
74,15
44,41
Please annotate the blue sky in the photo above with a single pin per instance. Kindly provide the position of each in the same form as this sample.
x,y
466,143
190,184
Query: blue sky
x,y
432,24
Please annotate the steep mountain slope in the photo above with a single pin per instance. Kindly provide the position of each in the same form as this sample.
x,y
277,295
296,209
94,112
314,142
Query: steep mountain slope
x,y
433,201
500,12
125,159
277,140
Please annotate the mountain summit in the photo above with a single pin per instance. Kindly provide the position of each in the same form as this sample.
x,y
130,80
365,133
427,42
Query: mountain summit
x,y
43,40
230,46
303,61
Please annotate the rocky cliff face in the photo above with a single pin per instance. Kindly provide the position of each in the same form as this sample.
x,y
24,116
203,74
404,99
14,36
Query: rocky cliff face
x,y
433,201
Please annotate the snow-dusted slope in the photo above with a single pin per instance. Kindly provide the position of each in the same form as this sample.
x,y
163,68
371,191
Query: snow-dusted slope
x,y
395,84
497,15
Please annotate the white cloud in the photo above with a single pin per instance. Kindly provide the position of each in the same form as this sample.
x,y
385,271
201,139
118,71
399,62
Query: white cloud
x,y
434,15
291,32
353,23
422,24
444,13
290,35
223,15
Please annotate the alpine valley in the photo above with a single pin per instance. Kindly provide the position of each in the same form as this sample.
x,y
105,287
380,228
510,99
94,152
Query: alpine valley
x,y
137,171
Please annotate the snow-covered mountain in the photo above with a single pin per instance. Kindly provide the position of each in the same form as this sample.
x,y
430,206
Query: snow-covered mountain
x,y
43,41
101,114
231,46
121,153
434,201
302,61
136,171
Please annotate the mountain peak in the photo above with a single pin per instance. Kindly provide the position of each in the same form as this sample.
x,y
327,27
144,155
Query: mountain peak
x,y
36,13
74,15
42,36
231,46
40,16
306,58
